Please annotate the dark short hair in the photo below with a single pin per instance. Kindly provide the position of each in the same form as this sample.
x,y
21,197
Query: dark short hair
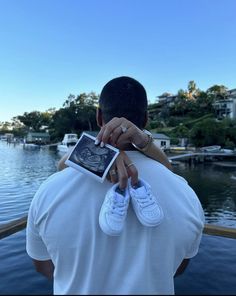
x,y
124,97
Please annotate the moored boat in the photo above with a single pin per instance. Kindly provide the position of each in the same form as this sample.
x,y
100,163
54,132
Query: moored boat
x,y
68,141
212,149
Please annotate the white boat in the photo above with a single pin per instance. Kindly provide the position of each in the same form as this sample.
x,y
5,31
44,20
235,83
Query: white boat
x,y
227,151
214,148
68,141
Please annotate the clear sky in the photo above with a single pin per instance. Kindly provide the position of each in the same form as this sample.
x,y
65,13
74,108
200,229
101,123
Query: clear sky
x,y
51,48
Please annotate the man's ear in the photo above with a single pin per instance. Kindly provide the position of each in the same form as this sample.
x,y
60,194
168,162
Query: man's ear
x,y
99,117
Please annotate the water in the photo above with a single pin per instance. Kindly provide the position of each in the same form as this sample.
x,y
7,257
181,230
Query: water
x,y
216,187
211,272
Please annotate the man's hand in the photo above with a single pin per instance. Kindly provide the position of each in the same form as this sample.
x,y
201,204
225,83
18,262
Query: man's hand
x,y
119,132
46,267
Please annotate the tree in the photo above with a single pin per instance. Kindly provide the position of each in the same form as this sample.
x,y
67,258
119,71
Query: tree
x,y
217,92
192,90
31,120
181,131
78,114
208,132
68,101
5,126
86,109
35,120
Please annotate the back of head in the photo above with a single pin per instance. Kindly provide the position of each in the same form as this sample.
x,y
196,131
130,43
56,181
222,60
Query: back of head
x,y
124,97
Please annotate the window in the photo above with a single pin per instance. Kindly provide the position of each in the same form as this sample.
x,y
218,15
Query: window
x,y
163,143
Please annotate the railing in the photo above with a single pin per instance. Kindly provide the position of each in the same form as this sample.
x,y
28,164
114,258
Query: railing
x,y
210,229
217,230
12,227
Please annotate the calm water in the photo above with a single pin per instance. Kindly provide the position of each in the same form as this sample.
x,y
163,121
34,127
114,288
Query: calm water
x,y
211,272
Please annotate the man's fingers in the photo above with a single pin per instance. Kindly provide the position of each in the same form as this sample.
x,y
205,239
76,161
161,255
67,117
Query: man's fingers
x,y
133,173
122,172
131,169
113,174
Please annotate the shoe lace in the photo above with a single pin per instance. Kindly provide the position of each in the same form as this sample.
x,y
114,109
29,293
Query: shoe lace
x,y
118,207
145,201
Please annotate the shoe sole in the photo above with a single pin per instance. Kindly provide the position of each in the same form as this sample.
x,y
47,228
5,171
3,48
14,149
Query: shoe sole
x,y
105,228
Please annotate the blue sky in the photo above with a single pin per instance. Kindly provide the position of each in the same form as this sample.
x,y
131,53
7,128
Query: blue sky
x,y
51,48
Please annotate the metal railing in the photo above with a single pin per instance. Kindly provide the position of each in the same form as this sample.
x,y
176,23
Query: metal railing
x,y
210,229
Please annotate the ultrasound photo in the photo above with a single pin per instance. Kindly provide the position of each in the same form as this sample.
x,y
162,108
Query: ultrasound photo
x,y
90,158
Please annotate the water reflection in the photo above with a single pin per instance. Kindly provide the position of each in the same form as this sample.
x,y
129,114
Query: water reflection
x,y
215,188
22,172
211,272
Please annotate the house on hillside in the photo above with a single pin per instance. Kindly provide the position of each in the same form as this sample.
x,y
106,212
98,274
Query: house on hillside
x,y
161,140
37,138
167,99
227,107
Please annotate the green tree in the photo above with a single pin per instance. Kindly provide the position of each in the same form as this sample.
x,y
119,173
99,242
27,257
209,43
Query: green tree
x,y
32,120
68,101
78,114
181,131
86,109
192,90
207,132
230,131
35,120
5,126
217,92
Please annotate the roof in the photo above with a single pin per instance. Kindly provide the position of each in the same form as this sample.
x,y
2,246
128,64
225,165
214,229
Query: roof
x,y
160,136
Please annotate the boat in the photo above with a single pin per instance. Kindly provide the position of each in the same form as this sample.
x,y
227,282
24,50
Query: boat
x,y
227,151
68,141
211,149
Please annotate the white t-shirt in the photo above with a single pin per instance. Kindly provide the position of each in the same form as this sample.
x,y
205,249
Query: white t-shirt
x,y
63,226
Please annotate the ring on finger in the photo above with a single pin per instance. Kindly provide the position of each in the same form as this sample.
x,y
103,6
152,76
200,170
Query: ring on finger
x,y
130,164
123,129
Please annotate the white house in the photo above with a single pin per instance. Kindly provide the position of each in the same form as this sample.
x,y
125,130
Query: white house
x,y
38,138
167,99
161,140
227,107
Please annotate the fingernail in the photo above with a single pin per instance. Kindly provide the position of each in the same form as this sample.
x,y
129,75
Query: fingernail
x,y
96,142
102,145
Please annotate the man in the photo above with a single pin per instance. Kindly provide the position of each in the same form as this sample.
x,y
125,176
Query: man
x,y
63,233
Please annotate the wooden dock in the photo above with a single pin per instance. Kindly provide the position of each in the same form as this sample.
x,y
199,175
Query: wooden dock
x,y
200,154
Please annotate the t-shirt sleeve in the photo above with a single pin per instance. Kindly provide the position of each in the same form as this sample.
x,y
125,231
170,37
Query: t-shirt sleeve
x,y
193,250
194,247
35,246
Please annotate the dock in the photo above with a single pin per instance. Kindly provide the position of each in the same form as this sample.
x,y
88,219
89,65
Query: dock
x,y
194,154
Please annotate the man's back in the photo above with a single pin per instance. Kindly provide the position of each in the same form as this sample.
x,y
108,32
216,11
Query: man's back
x,y
142,260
